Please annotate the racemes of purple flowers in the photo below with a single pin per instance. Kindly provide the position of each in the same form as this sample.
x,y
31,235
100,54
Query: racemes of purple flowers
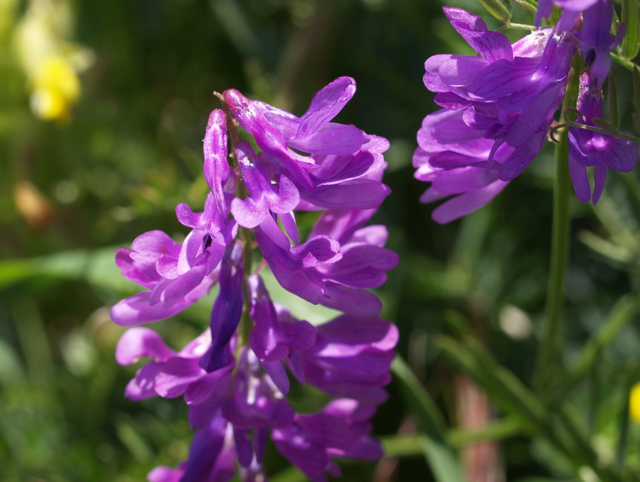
x,y
498,107
235,376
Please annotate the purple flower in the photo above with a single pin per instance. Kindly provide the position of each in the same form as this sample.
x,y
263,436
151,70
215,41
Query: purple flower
x,y
497,112
351,357
275,335
181,292
596,40
234,377
456,165
265,200
336,173
588,148
340,429
170,374
227,309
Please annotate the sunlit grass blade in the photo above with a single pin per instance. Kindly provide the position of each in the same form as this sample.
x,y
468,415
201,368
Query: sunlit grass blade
x,y
442,459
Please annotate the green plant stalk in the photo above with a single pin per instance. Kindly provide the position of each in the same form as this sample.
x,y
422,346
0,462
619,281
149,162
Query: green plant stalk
x,y
492,432
628,64
549,360
246,323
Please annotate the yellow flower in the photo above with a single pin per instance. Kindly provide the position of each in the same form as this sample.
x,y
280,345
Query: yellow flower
x,y
56,87
634,403
50,62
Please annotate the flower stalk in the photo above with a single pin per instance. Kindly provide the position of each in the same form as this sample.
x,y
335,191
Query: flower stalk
x,y
246,323
549,363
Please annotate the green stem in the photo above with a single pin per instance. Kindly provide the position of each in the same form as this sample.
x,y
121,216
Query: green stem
x,y
517,26
549,362
246,323
527,5
624,62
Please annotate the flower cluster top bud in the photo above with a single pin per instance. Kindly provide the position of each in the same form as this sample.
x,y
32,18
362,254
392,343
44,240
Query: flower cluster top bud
x,y
234,376
498,107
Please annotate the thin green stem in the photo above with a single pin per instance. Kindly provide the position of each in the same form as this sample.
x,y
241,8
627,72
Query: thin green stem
x,y
624,62
527,5
246,323
518,26
549,368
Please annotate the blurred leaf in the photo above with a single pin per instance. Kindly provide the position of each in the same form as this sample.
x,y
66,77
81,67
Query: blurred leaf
x,y
402,445
11,371
630,43
494,431
622,313
606,248
96,267
502,386
443,461
134,441
290,474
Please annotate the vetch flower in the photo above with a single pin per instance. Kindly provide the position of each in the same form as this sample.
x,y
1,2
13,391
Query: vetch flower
x,y
235,376
497,111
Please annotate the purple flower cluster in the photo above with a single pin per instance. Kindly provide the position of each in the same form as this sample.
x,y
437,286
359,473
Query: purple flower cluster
x,y
497,107
234,377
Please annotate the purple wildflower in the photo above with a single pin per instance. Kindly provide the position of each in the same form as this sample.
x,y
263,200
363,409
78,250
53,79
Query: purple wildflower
x,y
596,40
498,107
588,148
497,111
234,377
340,430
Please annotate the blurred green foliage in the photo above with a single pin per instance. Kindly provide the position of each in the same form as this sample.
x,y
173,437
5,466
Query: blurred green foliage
x,y
72,191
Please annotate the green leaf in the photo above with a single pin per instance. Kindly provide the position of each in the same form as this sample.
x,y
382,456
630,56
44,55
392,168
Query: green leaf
x,y
630,43
607,126
497,9
494,431
96,267
622,313
402,445
290,474
443,461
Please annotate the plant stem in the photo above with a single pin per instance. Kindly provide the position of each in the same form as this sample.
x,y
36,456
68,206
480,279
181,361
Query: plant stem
x,y
527,5
624,62
246,323
549,361
517,26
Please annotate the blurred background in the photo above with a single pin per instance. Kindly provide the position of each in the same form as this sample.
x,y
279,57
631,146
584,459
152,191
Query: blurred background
x,y
103,106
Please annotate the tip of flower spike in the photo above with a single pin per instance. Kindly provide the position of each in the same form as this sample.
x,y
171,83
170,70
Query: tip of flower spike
x,y
235,99
217,117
